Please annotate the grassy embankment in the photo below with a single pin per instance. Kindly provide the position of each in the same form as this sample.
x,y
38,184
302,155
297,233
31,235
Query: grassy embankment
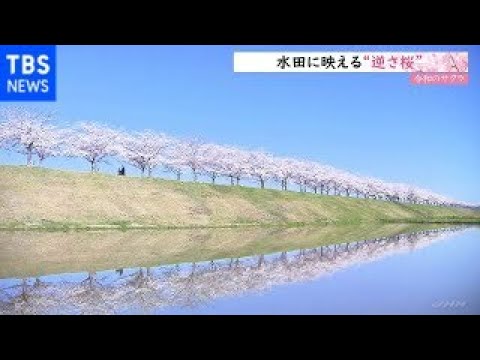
x,y
38,198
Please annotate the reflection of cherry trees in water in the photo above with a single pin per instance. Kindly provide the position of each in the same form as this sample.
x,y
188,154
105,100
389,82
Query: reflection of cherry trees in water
x,y
146,290
141,290
28,295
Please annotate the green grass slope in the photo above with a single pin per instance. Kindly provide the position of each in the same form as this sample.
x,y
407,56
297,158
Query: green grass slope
x,y
45,198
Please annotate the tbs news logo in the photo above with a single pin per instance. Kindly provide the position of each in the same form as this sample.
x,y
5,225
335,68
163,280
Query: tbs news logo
x,y
28,73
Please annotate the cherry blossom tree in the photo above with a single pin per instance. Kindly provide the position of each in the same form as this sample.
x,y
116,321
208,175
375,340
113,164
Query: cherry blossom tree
x,y
319,179
144,150
284,170
194,156
261,166
234,164
94,143
175,158
5,136
350,183
303,174
211,160
29,132
52,144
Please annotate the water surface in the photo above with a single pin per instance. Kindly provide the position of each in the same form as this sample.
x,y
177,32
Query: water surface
x,y
398,269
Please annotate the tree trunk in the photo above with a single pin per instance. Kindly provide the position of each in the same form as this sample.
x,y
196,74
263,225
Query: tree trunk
x,y
213,178
29,156
24,290
149,171
92,163
262,183
238,180
231,180
178,175
91,278
24,285
261,260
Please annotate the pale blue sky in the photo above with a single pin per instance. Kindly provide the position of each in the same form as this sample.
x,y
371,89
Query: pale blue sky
x,y
373,124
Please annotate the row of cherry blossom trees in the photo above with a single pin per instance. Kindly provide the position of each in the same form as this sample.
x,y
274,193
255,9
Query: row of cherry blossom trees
x,y
33,133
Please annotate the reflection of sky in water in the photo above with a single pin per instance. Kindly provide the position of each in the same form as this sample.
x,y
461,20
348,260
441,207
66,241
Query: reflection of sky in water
x,y
423,276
